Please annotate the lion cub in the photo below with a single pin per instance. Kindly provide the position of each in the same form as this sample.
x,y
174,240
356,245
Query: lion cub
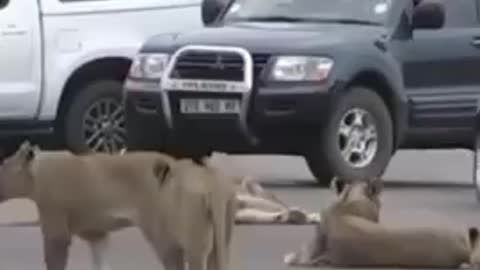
x,y
185,211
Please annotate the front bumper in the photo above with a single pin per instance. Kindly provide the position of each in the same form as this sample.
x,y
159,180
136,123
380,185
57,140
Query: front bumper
x,y
276,120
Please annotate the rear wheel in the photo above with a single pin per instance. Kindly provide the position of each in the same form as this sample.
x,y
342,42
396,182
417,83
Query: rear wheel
x,y
357,141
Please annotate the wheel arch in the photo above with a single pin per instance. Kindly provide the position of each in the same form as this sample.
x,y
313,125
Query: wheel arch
x,y
101,68
379,83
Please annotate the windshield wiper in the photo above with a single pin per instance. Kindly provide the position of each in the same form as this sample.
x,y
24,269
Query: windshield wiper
x,y
274,19
350,21
306,19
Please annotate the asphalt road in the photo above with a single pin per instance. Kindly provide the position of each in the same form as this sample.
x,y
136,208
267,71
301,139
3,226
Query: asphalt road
x,y
422,188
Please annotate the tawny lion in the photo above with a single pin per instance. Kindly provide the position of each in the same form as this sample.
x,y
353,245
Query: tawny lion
x,y
185,211
350,239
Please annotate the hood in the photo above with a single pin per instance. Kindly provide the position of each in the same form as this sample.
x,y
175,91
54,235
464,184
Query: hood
x,y
270,37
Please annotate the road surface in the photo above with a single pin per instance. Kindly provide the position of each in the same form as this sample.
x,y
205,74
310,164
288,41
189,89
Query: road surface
x,y
427,187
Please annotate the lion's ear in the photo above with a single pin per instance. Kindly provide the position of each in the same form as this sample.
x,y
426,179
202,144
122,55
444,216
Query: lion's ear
x,y
26,152
374,187
161,170
24,147
30,155
337,185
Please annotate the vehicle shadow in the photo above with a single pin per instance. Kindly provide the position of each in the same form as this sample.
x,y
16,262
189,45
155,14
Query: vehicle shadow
x,y
298,184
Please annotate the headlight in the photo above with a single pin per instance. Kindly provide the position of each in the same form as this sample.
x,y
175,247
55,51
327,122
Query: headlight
x,y
301,68
149,66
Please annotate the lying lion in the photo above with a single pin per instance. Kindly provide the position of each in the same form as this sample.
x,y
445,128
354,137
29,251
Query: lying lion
x,y
351,240
258,206
355,198
185,211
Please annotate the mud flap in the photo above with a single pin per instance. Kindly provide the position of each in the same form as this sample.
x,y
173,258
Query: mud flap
x,y
476,153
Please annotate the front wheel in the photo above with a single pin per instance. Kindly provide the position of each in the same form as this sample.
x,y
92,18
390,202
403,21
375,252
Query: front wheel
x,y
95,121
357,141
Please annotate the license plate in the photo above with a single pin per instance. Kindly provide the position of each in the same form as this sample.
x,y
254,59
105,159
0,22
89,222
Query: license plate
x,y
209,106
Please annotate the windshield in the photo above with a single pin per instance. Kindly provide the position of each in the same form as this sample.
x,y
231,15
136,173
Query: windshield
x,y
343,11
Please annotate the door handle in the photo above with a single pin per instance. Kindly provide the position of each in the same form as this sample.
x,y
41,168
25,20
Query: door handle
x,y
475,42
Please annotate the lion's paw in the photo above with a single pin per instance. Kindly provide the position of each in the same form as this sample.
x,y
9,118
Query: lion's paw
x,y
290,258
314,218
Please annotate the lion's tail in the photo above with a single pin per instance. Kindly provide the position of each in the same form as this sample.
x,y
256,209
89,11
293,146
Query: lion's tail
x,y
300,259
310,254
161,171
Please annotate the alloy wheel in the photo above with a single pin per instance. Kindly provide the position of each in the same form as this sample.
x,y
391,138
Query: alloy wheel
x,y
103,126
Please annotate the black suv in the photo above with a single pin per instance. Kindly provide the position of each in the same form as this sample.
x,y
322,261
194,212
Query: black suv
x,y
343,83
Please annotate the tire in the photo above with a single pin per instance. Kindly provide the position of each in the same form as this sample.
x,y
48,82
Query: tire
x,y
78,129
325,159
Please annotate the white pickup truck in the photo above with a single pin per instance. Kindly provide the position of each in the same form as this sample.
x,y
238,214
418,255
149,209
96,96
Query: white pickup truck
x,y
62,64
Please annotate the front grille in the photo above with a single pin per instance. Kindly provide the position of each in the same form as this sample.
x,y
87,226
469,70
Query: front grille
x,y
202,65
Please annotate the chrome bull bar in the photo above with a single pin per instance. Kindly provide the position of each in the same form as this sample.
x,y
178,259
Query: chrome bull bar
x,y
244,87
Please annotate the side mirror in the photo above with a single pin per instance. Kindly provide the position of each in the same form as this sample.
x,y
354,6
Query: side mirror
x,y
428,15
211,9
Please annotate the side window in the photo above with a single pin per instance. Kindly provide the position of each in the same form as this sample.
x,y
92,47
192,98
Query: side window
x,y
460,13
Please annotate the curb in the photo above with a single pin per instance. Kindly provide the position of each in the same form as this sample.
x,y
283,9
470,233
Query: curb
x,y
21,224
